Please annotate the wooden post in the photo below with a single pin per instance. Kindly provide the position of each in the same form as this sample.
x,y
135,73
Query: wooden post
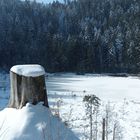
x,y
103,130
114,131
27,85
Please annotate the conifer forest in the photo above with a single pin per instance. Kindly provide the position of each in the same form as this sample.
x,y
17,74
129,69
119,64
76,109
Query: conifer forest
x,y
95,36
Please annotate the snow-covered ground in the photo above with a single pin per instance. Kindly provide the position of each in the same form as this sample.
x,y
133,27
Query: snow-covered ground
x,y
34,122
47,1
120,103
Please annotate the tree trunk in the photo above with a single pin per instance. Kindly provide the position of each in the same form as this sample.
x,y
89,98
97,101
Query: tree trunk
x,y
26,89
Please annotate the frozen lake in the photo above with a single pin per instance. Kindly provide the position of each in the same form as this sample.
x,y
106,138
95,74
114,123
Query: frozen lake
x,y
68,90
46,1
105,87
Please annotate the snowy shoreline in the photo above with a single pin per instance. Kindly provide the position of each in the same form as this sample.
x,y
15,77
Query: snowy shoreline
x,y
120,94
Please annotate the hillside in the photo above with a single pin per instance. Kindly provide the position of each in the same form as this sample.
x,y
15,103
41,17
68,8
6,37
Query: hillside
x,y
78,36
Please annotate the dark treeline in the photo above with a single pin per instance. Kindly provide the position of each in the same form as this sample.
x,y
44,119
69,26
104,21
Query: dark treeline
x,y
76,36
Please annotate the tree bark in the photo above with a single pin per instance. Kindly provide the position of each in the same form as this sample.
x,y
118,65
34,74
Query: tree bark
x,y
26,89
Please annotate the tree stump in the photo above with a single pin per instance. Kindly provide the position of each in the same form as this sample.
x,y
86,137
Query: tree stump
x,y
27,85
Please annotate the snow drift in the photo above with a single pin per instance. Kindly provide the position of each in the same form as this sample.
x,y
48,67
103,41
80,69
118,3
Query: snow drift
x,y
32,123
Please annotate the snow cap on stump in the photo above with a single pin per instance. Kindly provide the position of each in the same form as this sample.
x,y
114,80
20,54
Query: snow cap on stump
x,y
27,85
28,70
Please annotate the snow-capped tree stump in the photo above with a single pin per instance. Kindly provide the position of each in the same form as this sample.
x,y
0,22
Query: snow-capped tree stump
x,y
27,85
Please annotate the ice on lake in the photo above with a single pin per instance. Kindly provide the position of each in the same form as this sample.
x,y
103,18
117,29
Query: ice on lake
x,y
62,87
105,87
